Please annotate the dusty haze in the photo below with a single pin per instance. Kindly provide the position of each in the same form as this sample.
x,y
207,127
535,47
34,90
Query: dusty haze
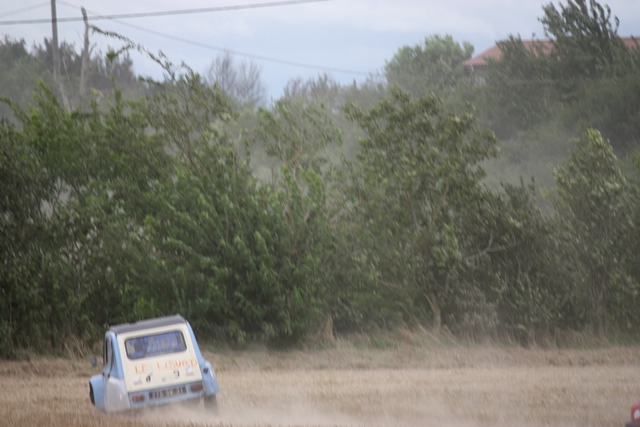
x,y
406,385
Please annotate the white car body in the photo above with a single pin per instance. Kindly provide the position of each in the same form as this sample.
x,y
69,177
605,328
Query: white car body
x,y
152,362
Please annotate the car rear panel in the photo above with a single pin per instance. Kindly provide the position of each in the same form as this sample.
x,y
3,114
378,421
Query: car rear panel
x,y
160,372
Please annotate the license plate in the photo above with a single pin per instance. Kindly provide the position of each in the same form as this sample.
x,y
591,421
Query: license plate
x,y
159,394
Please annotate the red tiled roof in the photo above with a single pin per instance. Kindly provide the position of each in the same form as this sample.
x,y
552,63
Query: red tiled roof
x,y
631,42
481,60
495,53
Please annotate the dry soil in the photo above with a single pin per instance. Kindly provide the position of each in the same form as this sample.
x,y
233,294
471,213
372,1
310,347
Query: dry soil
x,y
407,385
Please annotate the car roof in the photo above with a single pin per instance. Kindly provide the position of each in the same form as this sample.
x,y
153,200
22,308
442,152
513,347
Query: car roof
x,y
147,324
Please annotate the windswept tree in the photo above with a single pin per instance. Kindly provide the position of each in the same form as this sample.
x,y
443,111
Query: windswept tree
x,y
417,166
595,73
585,38
519,88
431,68
593,207
19,72
239,80
584,76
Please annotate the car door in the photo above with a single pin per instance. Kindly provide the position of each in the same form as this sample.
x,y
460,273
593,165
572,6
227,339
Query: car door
x,y
115,394
107,367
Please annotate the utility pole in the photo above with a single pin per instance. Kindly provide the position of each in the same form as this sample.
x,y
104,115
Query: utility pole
x,y
56,59
84,74
54,46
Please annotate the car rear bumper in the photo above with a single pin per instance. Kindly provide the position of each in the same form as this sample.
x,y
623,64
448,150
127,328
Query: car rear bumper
x,y
166,395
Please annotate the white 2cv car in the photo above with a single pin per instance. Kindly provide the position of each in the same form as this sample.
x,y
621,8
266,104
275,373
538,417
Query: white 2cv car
x,y
152,362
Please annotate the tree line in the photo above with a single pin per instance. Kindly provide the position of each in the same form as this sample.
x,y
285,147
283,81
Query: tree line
x,y
348,208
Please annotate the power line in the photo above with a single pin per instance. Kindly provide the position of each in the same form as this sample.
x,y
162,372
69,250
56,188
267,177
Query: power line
x,y
243,54
24,9
167,12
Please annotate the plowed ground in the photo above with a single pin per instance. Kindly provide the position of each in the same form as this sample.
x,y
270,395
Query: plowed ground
x,y
404,386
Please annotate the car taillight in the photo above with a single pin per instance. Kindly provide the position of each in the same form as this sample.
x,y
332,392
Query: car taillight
x,y
635,413
138,398
197,387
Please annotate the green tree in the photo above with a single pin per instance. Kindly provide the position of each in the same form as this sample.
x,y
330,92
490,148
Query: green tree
x,y
416,167
93,169
298,133
628,316
19,72
326,94
535,295
431,68
585,41
23,223
230,252
596,74
592,205
519,91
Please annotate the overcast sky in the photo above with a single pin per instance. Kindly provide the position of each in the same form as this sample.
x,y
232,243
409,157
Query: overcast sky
x,y
346,38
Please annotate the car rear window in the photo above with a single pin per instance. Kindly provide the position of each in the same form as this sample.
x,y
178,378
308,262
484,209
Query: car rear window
x,y
155,345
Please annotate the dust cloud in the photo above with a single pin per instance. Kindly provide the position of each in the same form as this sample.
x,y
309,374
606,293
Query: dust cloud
x,y
299,412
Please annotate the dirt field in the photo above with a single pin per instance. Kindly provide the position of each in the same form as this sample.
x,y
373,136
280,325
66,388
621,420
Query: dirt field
x,y
403,386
